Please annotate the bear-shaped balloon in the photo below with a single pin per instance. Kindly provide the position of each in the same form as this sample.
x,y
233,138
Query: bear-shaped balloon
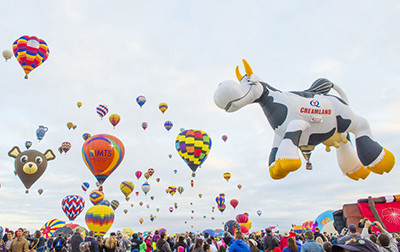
x,y
30,164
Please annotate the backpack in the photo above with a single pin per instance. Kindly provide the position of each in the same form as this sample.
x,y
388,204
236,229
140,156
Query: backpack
x,y
59,243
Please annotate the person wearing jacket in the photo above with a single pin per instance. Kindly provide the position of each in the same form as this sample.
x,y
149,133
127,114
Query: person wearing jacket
x,y
162,244
93,245
239,245
385,241
19,244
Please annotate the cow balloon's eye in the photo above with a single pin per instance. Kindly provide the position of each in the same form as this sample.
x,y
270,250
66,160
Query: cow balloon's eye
x,y
24,159
38,160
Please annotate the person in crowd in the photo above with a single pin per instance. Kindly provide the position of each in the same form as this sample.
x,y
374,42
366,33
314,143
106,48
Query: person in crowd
x,y
292,246
76,240
385,241
59,243
284,241
239,245
123,243
147,241
351,234
318,234
135,243
100,243
319,240
162,245
270,241
19,244
9,239
206,247
49,244
327,246
170,241
311,245
222,248
180,244
197,246
253,245
227,239
37,242
210,241
3,246
93,244
111,243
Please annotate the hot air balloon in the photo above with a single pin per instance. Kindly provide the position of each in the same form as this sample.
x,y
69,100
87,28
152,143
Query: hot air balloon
x,y
138,174
50,227
163,107
7,54
114,204
151,218
40,191
125,211
137,193
175,171
85,186
131,205
60,149
79,104
102,155
114,119
220,200
96,196
180,189
191,183
224,138
171,209
259,212
105,202
102,111
193,146
171,190
200,195
86,136
234,203
158,209
69,125
141,220
239,186
146,188
148,205
144,125
141,203
66,146
227,176
72,205
152,197
170,155
231,226
158,180
150,171
99,218
40,132
222,208
30,164
126,188
28,144
74,126
30,52
168,125
146,175
141,100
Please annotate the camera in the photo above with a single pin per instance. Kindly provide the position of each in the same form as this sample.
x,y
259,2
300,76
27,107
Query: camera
x,y
373,223
361,224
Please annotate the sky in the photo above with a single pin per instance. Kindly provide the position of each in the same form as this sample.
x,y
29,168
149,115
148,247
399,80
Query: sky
x,y
177,52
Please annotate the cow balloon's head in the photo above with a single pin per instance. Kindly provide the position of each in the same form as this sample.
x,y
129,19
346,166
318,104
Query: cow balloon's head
x,y
231,96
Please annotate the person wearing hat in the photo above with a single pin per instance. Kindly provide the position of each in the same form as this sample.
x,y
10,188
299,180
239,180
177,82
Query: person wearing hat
x,y
385,241
269,242
351,235
284,241
356,244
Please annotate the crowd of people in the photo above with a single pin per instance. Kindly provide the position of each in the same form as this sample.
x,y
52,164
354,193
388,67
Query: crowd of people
x,y
348,240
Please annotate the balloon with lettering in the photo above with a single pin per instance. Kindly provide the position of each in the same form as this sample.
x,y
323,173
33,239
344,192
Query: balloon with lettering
x,y
126,188
168,125
114,204
102,154
114,119
234,203
138,174
99,218
96,196
30,52
323,219
85,186
193,146
102,111
72,205
141,100
163,107
227,176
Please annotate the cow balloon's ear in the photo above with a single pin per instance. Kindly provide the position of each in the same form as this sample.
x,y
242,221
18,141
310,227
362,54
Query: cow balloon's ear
x,y
14,152
49,155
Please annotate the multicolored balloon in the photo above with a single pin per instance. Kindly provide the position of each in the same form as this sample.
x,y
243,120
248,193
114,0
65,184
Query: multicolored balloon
x,y
66,146
158,180
85,186
40,132
150,171
126,188
30,52
171,209
171,190
86,136
60,149
96,196
125,211
72,205
99,218
40,191
28,144
102,155
146,188
193,146
69,125
239,186
50,227
146,175
105,202
224,138
180,189
222,208
168,125
227,176
114,204
232,227
114,119
163,107
141,220
141,100
144,125
220,200
138,174
191,183
102,111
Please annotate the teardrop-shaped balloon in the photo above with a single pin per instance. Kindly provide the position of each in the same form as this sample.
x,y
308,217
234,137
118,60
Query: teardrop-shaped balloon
x,y
141,220
239,186
234,203
222,208
96,196
66,146
114,119
40,191
224,138
158,180
171,209
180,189
79,104
227,176
150,171
86,136
126,187
85,186
191,183
175,171
163,107
141,203
114,204
170,155
171,190
102,110
147,175
259,212
69,125
138,174
146,188
200,195
72,205
141,100
125,211
144,125
168,125
28,144
7,54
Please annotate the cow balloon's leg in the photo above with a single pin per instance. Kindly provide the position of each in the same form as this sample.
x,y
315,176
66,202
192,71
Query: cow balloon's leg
x,y
372,155
272,155
287,156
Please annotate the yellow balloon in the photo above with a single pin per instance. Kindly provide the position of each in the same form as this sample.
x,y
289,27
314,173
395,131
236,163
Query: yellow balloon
x,y
79,104
70,125
247,224
126,188
99,218
127,232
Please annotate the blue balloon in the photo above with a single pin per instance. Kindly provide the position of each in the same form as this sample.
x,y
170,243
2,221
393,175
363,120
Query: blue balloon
x,y
323,219
209,231
28,144
40,132
175,171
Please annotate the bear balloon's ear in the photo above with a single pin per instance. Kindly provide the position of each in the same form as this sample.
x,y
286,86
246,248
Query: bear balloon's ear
x,y
14,152
49,155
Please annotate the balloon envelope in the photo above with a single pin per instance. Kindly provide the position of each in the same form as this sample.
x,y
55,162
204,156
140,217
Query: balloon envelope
x,y
7,54
234,203
114,119
141,100
99,218
102,155
232,226
127,187
146,187
163,107
96,196
224,138
227,176
50,227
168,125
28,144
114,204
138,174
72,205
85,186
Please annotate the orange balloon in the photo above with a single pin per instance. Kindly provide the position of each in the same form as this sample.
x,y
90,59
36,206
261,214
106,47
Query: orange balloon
x,y
114,119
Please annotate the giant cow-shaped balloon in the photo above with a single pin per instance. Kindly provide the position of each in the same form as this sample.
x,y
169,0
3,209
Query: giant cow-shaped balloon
x,y
304,119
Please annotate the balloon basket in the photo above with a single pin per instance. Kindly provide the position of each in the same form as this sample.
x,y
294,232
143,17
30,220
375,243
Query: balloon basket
x,y
27,191
193,175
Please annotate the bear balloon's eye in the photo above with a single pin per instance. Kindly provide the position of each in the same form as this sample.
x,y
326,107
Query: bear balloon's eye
x,y
38,160
24,159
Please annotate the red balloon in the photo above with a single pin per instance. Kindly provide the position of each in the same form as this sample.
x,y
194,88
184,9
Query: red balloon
x,y
244,229
242,218
234,203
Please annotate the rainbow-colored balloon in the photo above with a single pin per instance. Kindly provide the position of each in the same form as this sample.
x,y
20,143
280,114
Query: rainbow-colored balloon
x,y
96,196
163,107
99,218
127,188
50,227
171,190
30,52
168,125
102,154
114,204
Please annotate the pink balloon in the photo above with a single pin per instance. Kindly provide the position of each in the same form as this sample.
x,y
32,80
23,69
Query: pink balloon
x,y
144,125
224,137
138,174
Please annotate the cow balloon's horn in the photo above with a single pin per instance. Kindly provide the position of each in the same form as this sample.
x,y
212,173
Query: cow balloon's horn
x,y
238,75
247,67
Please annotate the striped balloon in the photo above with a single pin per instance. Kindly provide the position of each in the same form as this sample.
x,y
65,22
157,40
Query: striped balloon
x,y
168,125
163,107
114,204
72,205
50,227
126,188
96,196
99,218
102,110
30,52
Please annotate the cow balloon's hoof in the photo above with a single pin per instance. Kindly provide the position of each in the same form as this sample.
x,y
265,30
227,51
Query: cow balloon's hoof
x,y
360,173
276,172
384,162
